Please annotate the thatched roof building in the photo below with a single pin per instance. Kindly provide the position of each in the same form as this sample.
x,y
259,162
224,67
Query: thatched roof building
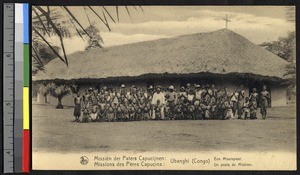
x,y
221,53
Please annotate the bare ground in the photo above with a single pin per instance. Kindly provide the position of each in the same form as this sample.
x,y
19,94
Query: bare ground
x,y
53,131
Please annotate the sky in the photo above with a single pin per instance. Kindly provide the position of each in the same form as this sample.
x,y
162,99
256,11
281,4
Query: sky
x,y
256,23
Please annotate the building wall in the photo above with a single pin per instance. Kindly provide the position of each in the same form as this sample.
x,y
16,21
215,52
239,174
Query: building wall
x,y
40,98
278,96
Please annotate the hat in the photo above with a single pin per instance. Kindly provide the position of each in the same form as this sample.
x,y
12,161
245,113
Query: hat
x,y
198,86
158,87
171,87
90,89
182,88
133,86
150,87
122,85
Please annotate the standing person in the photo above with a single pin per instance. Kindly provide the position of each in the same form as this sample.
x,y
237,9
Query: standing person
x,y
214,90
123,91
77,109
246,108
253,99
150,90
210,90
149,98
93,106
158,95
234,102
226,94
115,98
265,96
198,93
86,97
191,96
182,92
171,101
241,100
188,88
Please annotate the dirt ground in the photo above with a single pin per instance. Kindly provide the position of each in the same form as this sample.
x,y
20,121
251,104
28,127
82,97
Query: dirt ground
x,y
53,131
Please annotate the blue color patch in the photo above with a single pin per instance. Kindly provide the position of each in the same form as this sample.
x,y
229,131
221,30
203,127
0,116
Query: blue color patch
x,y
25,23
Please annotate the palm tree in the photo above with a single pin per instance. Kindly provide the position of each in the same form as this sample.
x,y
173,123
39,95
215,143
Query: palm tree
x,y
291,68
59,91
56,21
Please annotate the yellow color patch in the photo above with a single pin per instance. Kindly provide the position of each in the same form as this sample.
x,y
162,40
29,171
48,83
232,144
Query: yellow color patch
x,y
25,107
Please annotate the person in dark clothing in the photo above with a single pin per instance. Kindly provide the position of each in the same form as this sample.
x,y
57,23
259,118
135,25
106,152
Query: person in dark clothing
x,y
77,109
264,97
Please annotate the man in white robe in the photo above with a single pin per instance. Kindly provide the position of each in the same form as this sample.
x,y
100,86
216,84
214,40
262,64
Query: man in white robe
x,y
158,95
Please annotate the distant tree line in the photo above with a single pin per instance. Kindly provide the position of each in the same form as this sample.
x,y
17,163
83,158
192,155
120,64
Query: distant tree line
x,y
285,48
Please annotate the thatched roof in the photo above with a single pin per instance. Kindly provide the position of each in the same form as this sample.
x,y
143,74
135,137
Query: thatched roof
x,y
219,52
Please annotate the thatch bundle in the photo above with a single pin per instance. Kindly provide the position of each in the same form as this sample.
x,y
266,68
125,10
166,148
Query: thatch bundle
x,y
219,52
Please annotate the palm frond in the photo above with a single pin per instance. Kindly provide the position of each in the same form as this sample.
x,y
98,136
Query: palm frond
x,y
104,17
57,31
73,17
40,65
41,36
106,24
41,22
48,10
38,58
141,8
109,14
128,13
117,11
71,20
85,10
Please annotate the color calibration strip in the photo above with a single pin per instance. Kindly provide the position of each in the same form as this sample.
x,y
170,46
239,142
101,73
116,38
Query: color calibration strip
x,y
21,120
18,74
8,88
16,88
22,84
26,142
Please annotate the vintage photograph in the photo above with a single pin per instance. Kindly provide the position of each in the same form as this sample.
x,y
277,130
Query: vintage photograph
x,y
164,87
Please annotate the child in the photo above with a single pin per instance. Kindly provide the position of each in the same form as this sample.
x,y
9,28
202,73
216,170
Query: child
x,y
131,111
94,113
228,111
101,111
110,115
147,111
86,118
246,109
157,110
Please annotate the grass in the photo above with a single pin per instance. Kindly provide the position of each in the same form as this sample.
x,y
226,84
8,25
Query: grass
x,y
53,131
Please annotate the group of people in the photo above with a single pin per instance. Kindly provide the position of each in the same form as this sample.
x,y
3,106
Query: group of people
x,y
195,103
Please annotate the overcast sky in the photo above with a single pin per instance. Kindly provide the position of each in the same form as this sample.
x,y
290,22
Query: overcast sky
x,y
256,23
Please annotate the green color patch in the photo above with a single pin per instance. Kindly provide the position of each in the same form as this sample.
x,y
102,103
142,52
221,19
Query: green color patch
x,y
26,65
